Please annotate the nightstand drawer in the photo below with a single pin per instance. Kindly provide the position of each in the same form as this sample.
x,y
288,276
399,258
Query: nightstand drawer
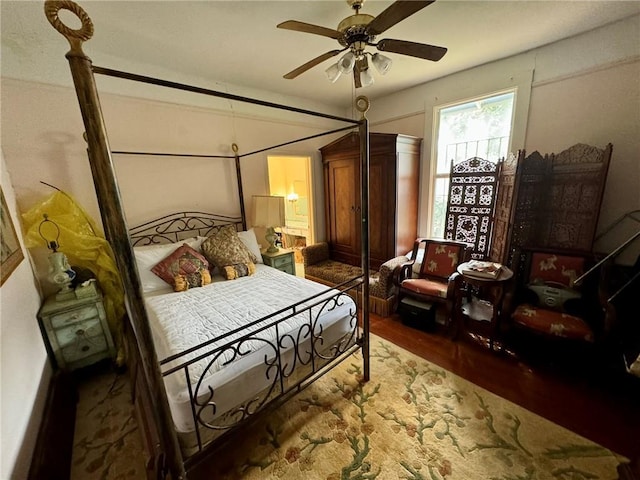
x,y
88,328
282,261
66,318
75,330
84,347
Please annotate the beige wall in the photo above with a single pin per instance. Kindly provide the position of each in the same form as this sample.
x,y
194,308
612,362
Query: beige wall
x,y
41,137
23,358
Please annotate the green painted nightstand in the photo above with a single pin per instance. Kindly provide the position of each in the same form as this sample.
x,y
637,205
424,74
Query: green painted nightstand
x,y
282,260
75,330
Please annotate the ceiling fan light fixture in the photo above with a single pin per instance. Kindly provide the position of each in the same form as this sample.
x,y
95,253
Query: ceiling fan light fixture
x,y
381,62
366,78
333,73
346,63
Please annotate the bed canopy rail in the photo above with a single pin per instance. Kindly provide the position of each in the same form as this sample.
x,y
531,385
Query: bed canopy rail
x,y
236,157
171,463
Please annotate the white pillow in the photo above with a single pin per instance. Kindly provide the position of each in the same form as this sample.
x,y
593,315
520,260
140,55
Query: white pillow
x,y
149,256
418,263
248,238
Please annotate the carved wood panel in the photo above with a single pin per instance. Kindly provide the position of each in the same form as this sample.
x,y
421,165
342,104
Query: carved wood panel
x,y
472,194
503,210
531,176
558,198
578,177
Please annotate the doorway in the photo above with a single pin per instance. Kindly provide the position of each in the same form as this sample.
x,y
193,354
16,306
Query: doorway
x,y
290,177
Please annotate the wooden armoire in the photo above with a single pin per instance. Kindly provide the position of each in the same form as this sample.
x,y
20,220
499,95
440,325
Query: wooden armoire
x,y
394,167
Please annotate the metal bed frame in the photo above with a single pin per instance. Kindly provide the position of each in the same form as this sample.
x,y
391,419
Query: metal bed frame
x,y
167,460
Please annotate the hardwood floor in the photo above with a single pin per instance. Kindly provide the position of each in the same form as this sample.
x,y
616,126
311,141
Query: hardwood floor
x,y
597,403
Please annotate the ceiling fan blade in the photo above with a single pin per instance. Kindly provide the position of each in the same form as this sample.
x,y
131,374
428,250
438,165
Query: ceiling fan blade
x,y
309,28
419,50
312,63
395,13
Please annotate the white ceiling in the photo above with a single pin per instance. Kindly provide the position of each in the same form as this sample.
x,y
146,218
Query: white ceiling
x,y
237,42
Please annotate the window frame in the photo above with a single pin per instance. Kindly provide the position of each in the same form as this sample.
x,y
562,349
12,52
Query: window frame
x,y
447,94
446,174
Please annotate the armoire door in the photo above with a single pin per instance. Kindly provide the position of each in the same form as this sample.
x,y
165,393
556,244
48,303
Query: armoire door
x,y
342,189
381,215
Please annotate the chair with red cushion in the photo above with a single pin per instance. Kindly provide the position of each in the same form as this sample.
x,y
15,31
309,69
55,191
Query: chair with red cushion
x,y
548,302
430,274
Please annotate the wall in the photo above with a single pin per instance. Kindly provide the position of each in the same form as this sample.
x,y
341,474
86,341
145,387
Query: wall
x,y
23,359
584,89
53,147
597,107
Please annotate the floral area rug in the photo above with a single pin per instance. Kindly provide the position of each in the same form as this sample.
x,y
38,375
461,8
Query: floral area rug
x,y
107,444
412,420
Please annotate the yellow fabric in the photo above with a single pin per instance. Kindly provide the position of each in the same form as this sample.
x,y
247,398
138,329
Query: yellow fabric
x,y
85,247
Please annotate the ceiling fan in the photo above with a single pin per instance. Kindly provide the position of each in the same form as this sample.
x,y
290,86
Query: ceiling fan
x,y
358,31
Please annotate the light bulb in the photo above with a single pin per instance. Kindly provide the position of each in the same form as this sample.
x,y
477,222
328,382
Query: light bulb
x,y
333,73
382,63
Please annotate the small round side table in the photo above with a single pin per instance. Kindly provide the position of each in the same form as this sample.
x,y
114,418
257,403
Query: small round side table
x,y
487,304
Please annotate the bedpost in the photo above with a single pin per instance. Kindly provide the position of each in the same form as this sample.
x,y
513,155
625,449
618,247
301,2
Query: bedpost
x,y
362,105
243,213
114,222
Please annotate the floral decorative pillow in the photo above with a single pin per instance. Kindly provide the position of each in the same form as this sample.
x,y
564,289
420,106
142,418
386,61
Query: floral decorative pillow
x,y
184,261
148,256
225,248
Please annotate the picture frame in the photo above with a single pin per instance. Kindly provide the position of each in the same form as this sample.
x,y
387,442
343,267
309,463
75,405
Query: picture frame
x,y
10,250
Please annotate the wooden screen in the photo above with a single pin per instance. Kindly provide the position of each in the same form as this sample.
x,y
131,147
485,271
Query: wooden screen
x,y
558,197
503,211
472,194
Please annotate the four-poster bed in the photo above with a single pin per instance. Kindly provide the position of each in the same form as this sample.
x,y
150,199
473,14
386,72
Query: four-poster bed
x,y
285,344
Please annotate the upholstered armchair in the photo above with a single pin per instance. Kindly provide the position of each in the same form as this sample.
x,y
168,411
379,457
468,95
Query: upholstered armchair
x,y
547,301
430,275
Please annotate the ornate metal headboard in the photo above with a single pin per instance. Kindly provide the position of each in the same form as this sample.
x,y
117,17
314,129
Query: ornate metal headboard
x,y
180,226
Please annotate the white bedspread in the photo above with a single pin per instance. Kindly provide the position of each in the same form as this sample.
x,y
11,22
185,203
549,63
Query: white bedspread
x,y
185,319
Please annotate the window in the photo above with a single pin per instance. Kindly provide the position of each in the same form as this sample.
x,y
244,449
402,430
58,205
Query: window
x,y
477,128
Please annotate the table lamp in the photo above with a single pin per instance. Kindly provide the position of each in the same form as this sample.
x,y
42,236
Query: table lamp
x,y
60,272
268,212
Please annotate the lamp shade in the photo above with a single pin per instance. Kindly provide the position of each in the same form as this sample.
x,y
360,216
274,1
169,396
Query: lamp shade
x,y
268,211
333,73
346,63
382,63
366,78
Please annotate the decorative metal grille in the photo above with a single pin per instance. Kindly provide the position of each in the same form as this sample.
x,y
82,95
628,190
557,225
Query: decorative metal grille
x,y
472,194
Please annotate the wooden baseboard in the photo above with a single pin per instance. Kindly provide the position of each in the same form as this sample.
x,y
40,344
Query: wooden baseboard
x,y
54,446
